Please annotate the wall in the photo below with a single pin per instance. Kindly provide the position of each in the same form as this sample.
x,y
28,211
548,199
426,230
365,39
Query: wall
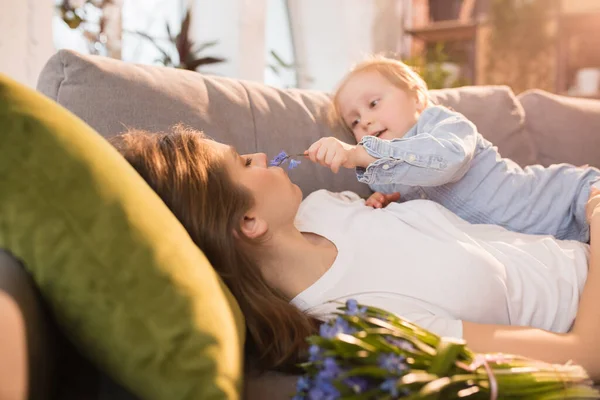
x,y
331,35
239,26
25,38
580,5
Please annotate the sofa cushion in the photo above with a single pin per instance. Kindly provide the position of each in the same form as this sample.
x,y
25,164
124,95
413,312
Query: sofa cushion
x,y
111,95
564,129
120,273
498,115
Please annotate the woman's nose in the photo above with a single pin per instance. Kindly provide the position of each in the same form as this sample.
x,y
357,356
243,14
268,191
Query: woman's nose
x,y
261,159
258,159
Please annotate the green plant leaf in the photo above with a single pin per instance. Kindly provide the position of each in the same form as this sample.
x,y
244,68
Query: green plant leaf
x,y
280,61
206,45
194,64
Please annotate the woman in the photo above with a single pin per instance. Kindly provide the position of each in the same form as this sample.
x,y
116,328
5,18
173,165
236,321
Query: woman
x,y
501,291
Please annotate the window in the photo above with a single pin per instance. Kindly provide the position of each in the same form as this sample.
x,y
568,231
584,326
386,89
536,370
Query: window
x,y
280,68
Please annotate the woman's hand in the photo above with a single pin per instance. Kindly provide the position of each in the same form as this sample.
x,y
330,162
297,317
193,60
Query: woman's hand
x,y
593,204
333,154
381,200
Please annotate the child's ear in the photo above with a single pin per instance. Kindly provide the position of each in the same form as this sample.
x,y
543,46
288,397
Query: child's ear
x,y
253,226
421,101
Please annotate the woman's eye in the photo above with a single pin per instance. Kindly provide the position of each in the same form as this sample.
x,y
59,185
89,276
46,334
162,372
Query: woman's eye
x,y
374,103
248,161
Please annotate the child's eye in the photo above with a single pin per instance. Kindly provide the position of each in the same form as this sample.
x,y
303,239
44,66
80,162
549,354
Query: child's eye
x,y
354,123
248,161
374,103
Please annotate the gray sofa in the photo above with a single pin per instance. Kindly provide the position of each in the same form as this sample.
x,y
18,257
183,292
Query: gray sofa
x,y
534,127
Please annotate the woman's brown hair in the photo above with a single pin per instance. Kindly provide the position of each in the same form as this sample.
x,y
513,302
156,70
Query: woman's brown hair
x,y
193,181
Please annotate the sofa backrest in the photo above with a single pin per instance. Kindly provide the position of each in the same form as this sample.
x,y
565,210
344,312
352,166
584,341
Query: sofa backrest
x,y
111,96
563,129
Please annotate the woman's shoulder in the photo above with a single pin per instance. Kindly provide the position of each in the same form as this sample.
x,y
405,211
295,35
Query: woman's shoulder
x,y
323,195
324,204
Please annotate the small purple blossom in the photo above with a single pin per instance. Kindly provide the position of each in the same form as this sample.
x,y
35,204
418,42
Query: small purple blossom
x,y
329,330
283,157
392,363
279,158
314,353
303,384
357,384
390,386
354,309
401,344
294,163
323,390
330,369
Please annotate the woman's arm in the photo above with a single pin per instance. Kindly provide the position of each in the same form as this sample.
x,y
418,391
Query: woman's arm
x,y
581,344
13,351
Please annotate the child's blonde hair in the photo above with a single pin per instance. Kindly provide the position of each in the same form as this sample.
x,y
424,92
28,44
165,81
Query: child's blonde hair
x,y
396,72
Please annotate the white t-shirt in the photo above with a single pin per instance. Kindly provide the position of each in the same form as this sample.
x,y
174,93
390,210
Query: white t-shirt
x,y
424,263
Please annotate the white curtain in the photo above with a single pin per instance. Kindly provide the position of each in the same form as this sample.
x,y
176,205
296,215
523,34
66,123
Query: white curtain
x,y
25,38
331,35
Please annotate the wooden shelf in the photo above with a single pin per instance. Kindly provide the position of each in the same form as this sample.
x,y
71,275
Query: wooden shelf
x,y
578,41
445,31
580,22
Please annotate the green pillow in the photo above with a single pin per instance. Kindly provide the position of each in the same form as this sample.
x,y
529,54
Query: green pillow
x,y
121,274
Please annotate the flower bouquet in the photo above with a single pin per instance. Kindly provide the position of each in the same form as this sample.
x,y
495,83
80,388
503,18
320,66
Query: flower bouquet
x,y
368,353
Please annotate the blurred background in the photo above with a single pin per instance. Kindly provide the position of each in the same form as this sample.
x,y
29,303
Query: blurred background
x,y
547,44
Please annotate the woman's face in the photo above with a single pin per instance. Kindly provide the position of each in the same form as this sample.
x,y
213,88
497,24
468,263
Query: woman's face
x,y
276,198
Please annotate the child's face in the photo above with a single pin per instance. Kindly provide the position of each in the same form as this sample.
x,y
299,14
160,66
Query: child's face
x,y
370,105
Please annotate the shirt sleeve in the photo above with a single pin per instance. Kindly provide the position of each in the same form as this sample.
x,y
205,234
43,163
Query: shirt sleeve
x,y
398,305
439,152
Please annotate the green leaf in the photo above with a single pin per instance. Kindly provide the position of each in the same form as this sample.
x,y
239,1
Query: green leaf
x,y
368,370
280,60
194,64
432,389
447,352
417,376
203,46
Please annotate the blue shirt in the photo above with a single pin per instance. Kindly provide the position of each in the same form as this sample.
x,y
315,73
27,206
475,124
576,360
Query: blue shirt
x,y
445,159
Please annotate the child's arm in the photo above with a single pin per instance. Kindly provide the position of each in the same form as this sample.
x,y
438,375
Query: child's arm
x,y
439,155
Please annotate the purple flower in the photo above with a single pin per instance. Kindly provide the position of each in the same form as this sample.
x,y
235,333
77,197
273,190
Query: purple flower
x,y
323,390
329,330
357,384
294,163
389,385
279,158
303,384
330,369
392,363
401,344
354,309
314,353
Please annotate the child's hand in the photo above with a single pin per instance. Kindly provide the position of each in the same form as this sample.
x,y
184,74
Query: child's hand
x,y
381,200
332,153
593,204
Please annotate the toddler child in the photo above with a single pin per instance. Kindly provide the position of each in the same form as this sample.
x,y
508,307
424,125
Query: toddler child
x,y
409,146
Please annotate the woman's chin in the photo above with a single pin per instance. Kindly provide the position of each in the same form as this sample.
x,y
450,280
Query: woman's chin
x,y
298,190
